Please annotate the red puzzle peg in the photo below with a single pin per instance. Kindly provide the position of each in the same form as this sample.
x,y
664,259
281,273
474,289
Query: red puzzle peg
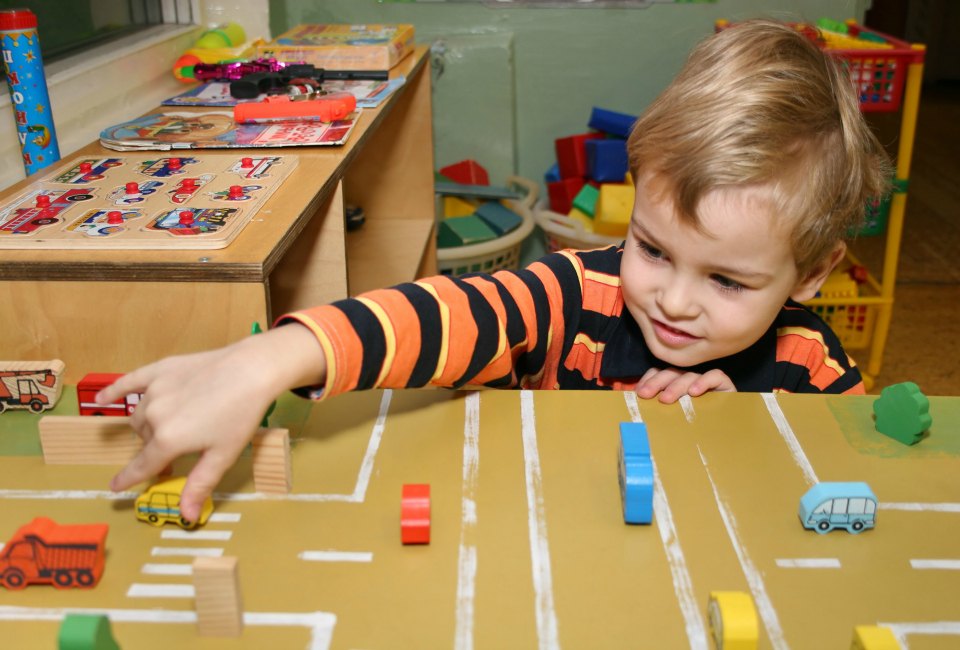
x,y
43,201
86,167
132,188
236,191
188,183
114,217
246,163
415,514
186,218
174,163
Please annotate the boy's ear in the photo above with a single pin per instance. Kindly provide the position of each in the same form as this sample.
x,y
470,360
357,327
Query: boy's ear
x,y
808,286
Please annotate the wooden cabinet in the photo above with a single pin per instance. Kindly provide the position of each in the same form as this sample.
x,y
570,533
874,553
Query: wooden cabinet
x,y
111,311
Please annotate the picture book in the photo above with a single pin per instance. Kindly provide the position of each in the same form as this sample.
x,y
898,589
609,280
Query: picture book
x,y
369,94
217,130
342,47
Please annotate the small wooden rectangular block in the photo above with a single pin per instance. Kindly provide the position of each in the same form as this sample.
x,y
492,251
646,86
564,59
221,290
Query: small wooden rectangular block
x,y
271,461
219,606
82,440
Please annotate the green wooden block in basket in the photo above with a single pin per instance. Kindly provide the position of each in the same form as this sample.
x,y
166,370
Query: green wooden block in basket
x,y
586,199
463,231
500,218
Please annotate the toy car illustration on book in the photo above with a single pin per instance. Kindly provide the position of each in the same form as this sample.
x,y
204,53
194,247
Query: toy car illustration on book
x,y
214,130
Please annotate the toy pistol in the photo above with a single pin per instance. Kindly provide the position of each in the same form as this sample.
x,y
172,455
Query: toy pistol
x,y
249,79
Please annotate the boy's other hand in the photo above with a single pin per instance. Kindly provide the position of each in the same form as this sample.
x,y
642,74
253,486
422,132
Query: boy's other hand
x,y
210,403
670,384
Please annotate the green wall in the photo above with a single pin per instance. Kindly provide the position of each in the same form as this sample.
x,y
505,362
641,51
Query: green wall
x,y
508,80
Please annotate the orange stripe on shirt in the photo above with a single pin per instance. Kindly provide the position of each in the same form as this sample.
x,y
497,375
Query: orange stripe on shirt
x,y
802,345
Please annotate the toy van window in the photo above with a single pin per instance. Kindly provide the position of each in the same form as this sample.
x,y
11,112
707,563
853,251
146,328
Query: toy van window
x,y
871,507
70,28
823,508
857,506
22,551
839,506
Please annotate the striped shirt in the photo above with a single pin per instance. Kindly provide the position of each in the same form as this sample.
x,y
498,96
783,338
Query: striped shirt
x,y
558,324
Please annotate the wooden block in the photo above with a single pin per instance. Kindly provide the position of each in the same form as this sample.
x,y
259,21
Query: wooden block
x,y
79,440
454,206
271,461
218,602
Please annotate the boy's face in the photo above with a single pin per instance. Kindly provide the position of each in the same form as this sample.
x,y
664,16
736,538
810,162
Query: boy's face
x,y
699,296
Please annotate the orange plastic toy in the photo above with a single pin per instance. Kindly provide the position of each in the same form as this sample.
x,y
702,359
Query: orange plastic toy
x,y
415,514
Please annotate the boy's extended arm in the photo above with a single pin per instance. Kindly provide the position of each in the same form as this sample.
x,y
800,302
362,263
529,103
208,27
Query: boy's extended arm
x,y
211,403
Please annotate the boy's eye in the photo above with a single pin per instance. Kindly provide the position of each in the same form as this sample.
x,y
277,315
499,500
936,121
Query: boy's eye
x,y
726,284
650,251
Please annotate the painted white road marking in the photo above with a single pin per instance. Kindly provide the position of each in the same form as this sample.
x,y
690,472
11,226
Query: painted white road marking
x,y
173,551
951,565
921,507
686,404
754,578
197,535
224,518
935,628
809,563
141,590
547,634
467,560
336,556
320,624
154,569
799,457
663,517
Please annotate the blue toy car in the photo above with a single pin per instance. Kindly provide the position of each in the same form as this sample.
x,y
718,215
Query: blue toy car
x,y
851,506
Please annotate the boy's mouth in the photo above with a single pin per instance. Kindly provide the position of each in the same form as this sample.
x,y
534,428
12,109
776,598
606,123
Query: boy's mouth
x,y
671,336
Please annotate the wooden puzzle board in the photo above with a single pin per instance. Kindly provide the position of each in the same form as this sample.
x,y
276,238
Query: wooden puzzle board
x,y
184,200
528,546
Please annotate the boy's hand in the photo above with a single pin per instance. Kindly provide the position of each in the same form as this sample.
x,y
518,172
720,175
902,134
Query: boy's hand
x,y
211,403
671,384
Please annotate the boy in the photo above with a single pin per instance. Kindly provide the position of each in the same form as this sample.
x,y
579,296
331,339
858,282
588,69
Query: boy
x,y
750,168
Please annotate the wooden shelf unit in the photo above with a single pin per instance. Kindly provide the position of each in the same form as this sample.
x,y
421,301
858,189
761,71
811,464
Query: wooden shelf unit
x,y
112,310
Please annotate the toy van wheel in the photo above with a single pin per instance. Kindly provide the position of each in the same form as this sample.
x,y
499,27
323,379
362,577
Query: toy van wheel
x,y
823,526
36,405
14,579
186,523
63,578
153,519
857,526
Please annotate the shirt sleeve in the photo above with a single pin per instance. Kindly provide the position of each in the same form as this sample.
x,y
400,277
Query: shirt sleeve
x,y
810,357
502,330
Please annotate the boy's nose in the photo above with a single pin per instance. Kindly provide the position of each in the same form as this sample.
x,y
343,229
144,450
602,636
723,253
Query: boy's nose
x,y
677,300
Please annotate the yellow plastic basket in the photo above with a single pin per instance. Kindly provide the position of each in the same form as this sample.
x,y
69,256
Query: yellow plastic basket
x,y
563,232
496,254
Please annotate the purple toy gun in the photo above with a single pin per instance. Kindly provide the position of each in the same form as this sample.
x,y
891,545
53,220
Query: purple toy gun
x,y
249,79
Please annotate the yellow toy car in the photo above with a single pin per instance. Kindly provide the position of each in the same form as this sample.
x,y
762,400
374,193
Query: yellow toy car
x,y
161,503
733,620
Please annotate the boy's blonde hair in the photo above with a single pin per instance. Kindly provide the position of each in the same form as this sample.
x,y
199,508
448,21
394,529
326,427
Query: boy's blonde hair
x,y
760,104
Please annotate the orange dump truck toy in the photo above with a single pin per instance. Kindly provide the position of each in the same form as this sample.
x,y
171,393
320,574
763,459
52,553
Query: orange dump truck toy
x,y
44,552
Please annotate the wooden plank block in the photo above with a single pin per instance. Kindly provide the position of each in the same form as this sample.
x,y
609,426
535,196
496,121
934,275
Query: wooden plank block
x,y
83,440
218,602
271,461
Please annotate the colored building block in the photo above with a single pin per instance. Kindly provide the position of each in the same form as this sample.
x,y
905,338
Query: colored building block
x,y
733,620
455,206
585,219
572,155
44,552
613,210
468,172
562,192
635,473
415,514
218,601
606,160
586,199
86,632
463,231
612,122
903,413
873,637
448,188
500,218
552,175
849,505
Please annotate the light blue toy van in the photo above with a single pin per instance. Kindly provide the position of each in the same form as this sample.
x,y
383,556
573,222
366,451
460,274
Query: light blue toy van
x,y
826,506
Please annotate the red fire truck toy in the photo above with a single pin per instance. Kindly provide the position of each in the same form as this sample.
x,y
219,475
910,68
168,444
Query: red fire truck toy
x,y
33,385
44,552
93,383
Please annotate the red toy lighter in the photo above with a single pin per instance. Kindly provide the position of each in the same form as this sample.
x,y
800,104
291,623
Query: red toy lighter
x,y
281,108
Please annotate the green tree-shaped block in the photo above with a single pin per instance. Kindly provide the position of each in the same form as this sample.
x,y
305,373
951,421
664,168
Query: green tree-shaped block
x,y
86,632
903,412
